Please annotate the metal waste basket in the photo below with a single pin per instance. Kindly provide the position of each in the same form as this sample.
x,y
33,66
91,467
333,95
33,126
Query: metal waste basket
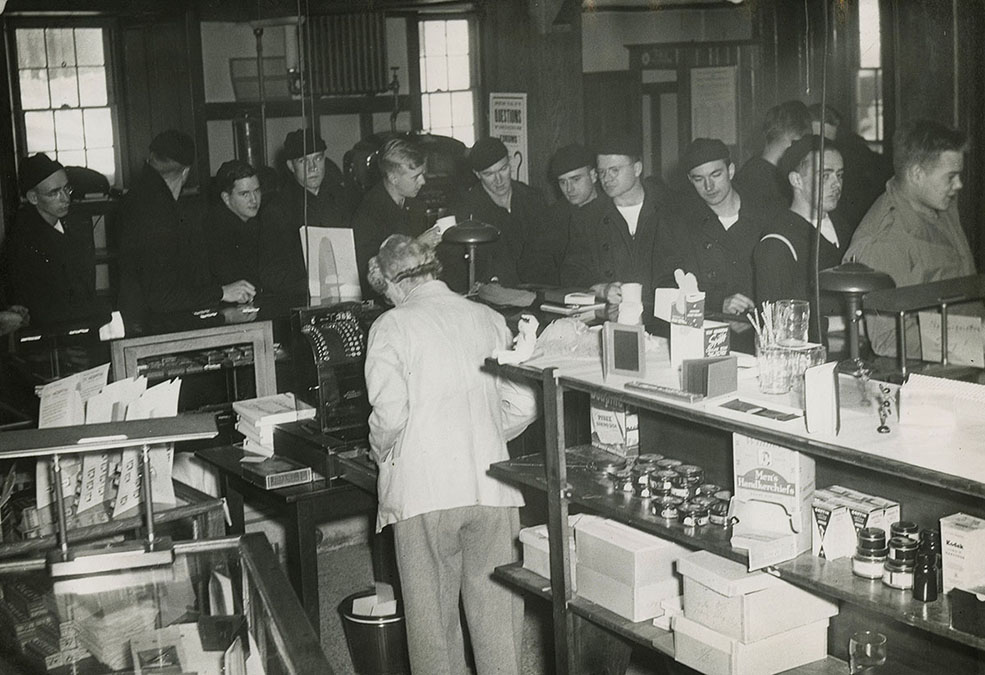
x,y
377,644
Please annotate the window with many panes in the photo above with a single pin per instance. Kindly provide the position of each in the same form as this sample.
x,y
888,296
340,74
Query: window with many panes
x,y
868,80
66,97
447,79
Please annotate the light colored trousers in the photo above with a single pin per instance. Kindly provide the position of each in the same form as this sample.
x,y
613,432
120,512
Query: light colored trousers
x,y
450,553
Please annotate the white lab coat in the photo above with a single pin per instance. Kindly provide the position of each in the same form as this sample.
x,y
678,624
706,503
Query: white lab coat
x,y
439,418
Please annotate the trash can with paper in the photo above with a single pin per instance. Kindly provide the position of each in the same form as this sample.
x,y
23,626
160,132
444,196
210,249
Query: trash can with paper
x,y
374,631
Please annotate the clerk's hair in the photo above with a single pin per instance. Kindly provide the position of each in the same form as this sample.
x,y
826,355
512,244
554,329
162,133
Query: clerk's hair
x,y
921,142
397,153
402,257
788,118
230,172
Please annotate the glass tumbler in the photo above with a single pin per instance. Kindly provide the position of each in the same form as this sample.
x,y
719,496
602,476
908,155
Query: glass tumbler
x,y
867,652
792,318
774,370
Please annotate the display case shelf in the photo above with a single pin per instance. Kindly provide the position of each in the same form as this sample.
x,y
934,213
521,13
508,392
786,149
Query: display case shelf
x,y
928,484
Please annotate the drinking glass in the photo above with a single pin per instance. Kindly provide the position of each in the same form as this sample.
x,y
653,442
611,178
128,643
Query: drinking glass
x,y
791,318
774,369
867,652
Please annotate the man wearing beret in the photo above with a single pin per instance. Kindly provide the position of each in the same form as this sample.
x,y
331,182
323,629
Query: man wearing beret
x,y
516,209
783,258
573,167
316,196
614,243
712,231
49,260
164,263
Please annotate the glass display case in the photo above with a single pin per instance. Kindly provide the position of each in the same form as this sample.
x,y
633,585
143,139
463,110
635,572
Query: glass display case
x,y
219,607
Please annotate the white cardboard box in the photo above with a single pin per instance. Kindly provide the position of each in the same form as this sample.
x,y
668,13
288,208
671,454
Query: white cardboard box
x,y
747,606
536,551
963,549
687,342
712,653
624,553
771,473
636,603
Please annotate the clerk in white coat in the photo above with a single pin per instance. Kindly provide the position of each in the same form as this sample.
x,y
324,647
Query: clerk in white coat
x,y
439,420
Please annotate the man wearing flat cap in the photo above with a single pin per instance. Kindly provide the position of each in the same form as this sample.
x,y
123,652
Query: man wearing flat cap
x,y
316,195
614,244
573,169
49,260
514,208
439,420
783,258
164,263
712,230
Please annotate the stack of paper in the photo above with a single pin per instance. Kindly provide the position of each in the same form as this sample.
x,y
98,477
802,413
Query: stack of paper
x,y
935,401
256,418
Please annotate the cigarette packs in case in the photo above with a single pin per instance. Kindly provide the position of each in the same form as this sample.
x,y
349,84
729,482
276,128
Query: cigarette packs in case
x,y
276,472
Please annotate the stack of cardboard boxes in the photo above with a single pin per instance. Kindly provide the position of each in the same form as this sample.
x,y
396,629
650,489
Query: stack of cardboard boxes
x,y
741,623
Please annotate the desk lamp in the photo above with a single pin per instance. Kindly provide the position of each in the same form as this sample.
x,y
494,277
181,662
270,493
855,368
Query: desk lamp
x,y
81,439
853,280
471,233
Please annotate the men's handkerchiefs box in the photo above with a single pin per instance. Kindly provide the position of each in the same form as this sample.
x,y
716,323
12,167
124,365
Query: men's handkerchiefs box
x,y
772,473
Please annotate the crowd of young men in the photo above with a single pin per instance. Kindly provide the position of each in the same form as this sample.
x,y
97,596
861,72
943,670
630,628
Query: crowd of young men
x,y
747,234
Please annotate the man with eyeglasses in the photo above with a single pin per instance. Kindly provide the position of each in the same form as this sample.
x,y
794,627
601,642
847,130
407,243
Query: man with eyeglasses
x,y
49,259
615,244
516,209
164,265
316,196
711,231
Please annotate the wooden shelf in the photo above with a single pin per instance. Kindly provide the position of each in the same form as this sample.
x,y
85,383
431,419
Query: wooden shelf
x,y
832,578
643,632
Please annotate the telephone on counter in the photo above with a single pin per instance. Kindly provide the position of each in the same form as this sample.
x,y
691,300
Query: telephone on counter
x,y
329,358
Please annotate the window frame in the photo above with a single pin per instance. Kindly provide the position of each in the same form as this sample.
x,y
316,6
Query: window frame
x,y
475,70
113,84
883,144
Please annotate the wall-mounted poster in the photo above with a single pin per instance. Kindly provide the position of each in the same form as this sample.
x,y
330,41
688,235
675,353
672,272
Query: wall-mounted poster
x,y
508,123
713,104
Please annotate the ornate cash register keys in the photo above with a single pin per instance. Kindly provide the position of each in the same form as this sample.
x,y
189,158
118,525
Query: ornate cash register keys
x,y
885,408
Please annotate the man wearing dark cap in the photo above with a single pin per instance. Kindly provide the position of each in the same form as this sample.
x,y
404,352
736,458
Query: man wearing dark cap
x,y
316,196
513,207
49,260
391,206
783,258
614,244
163,255
573,167
758,179
712,231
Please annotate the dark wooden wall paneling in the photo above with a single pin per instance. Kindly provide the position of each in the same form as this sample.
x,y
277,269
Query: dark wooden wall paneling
x,y
157,85
517,57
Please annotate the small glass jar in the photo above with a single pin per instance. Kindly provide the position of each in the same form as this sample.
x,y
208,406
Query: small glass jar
x,y
709,489
705,500
718,513
642,490
930,542
666,507
623,481
898,574
609,465
647,461
693,515
669,463
871,539
925,577
662,480
642,477
724,496
869,564
904,528
681,487
903,549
